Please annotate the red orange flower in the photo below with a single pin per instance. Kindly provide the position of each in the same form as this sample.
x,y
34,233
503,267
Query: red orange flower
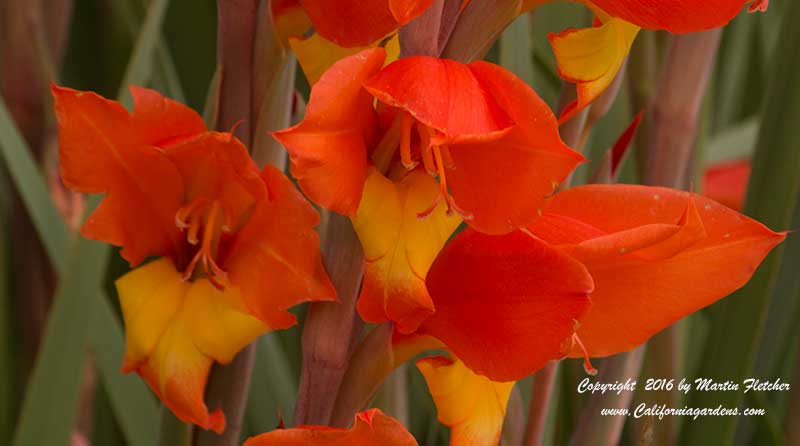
x,y
235,246
486,135
371,428
653,254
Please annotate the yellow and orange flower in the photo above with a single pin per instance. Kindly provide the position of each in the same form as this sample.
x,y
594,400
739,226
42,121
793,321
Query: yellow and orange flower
x,y
371,428
234,247
490,140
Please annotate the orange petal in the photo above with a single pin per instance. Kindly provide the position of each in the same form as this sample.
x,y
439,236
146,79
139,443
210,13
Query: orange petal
x,y
218,167
351,23
104,149
726,183
504,304
591,58
274,259
503,183
677,16
175,330
399,247
371,428
471,405
328,149
645,281
442,94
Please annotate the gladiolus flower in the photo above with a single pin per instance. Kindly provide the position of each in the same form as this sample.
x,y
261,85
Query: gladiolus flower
x,y
371,428
654,255
234,247
490,140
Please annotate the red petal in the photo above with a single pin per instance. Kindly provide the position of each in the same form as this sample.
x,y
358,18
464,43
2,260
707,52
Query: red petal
x,y
440,93
406,10
275,259
371,428
328,149
644,282
105,149
505,304
503,183
677,16
352,23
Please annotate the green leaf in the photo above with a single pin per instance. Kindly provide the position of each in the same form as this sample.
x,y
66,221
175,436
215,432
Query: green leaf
x,y
738,322
31,186
273,388
52,394
128,394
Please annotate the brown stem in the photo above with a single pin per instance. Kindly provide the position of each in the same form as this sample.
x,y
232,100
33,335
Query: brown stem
x,y
228,386
236,30
543,382
671,127
669,141
330,328
427,34
594,429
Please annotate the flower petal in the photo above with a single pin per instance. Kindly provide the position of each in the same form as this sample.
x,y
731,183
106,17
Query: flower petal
x,y
217,167
503,183
505,304
442,94
471,405
274,259
176,330
371,428
399,247
328,149
591,58
104,149
643,284
352,23
676,16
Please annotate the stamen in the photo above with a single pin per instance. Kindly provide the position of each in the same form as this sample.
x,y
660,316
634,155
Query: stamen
x,y
448,158
587,364
214,219
427,160
439,165
405,142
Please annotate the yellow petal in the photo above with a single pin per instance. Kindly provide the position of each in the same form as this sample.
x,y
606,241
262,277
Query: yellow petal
x,y
150,296
591,57
316,54
399,247
471,405
176,329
